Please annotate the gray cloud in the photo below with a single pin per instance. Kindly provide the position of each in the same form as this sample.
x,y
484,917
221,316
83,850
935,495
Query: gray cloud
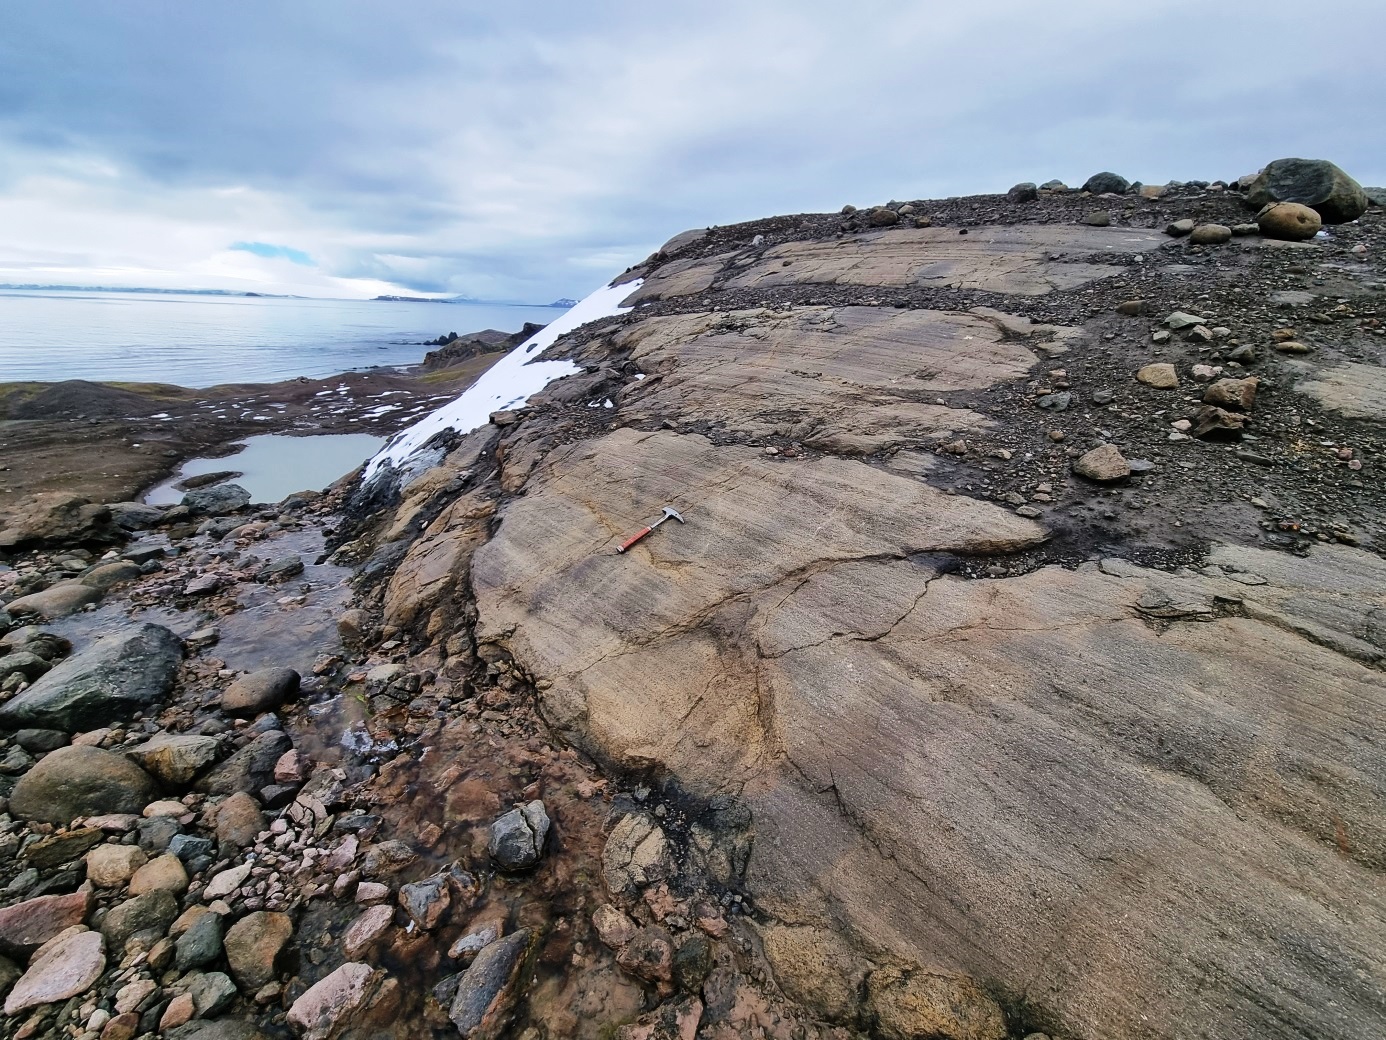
x,y
527,152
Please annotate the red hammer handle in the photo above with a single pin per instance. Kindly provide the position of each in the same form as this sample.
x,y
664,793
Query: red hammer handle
x,y
633,539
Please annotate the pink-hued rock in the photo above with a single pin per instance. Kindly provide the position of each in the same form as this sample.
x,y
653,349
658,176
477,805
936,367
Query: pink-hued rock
x,y
26,926
180,1010
367,928
327,1006
63,967
292,768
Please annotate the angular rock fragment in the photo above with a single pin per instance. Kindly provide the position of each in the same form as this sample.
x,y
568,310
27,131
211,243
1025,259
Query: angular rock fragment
x,y
1161,376
1213,423
1103,464
253,946
1232,393
341,1000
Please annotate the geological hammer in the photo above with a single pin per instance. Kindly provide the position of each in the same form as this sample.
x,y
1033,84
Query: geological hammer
x,y
641,534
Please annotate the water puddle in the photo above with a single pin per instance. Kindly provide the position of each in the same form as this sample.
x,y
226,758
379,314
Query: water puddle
x,y
274,466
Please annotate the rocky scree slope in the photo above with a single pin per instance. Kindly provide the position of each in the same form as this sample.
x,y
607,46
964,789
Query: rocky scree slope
x,y
1028,603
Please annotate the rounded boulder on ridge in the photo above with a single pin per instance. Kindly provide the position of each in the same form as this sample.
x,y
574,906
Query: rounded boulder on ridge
x,y
1315,183
1289,221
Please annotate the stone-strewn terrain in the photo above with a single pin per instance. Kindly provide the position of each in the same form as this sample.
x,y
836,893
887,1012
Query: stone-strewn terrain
x,y
1017,667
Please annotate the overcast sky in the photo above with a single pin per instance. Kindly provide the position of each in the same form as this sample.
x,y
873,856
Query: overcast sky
x,y
532,150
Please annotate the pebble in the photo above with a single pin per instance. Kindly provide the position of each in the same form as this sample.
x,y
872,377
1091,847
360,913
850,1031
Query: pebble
x,y
226,882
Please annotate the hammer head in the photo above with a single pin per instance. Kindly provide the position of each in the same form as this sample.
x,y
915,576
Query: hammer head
x,y
669,512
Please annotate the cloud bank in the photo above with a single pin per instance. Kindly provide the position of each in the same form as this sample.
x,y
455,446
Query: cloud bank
x,y
530,152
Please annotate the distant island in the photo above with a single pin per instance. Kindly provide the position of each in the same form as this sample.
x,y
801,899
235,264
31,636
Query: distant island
x,y
157,292
564,303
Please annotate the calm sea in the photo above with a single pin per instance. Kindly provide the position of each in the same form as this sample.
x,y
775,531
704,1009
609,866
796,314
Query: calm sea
x,y
205,340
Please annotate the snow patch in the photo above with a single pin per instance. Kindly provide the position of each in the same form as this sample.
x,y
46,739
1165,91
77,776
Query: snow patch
x,y
509,383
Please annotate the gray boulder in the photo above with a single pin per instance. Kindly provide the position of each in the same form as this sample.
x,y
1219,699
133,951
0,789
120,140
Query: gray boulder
x,y
1107,183
486,990
135,516
1315,183
217,501
260,691
107,682
107,575
214,1029
201,944
250,768
30,666
1024,192
81,781
517,838
60,518
145,916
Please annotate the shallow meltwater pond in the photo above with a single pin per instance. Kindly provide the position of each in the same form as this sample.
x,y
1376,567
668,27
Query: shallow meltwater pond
x,y
274,466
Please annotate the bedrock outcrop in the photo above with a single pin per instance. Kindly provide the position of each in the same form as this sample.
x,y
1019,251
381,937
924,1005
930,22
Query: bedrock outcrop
x,y
1106,757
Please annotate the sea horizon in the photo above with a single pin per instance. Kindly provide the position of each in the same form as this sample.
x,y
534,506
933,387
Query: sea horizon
x,y
198,339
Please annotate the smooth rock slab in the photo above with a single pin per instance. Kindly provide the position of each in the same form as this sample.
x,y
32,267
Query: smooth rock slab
x,y
62,968
106,682
1011,259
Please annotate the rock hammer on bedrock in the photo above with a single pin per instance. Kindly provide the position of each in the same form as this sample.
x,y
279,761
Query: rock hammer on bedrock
x,y
668,512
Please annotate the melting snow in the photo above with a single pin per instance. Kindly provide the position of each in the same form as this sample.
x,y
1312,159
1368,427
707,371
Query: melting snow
x,y
510,382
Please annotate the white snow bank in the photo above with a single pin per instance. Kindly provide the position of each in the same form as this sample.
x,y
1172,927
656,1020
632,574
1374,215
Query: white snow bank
x,y
509,383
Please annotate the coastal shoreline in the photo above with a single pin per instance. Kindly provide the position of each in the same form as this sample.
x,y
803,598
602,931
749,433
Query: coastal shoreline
x,y
111,442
